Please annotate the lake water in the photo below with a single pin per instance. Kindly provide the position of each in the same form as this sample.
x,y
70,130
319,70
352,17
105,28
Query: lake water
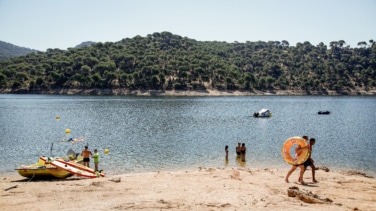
x,y
172,133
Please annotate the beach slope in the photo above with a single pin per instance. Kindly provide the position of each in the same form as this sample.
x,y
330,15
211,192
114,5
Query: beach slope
x,y
198,189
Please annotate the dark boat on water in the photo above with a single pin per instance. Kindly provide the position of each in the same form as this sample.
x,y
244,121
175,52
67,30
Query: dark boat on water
x,y
323,112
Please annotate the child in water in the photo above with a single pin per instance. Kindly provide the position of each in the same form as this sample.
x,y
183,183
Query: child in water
x,y
226,150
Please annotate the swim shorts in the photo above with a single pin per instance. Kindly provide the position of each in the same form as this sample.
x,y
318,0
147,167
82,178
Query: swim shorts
x,y
307,163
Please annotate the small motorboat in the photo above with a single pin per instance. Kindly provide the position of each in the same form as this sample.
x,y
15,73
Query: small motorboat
x,y
323,112
263,113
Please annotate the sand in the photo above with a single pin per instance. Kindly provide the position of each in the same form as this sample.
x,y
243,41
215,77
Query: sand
x,y
228,188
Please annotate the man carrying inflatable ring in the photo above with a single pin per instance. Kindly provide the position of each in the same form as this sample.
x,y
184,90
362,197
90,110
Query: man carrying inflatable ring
x,y
302,157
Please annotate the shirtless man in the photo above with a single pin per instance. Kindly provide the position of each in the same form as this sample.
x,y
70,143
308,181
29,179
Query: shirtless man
x,y
86,154
309,161
238,149
298,151
243,150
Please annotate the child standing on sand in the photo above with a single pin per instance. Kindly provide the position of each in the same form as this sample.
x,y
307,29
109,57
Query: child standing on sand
x,y
96,159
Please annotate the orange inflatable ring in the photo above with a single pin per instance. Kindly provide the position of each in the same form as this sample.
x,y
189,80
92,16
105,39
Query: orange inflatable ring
x,y
288,150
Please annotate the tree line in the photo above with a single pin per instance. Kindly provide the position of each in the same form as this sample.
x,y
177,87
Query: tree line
x,y
164,61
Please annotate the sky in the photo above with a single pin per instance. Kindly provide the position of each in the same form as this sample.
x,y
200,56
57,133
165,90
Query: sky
x,y
43,24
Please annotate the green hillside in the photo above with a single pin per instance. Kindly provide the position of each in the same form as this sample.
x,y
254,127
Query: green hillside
x,y
164,61
8,50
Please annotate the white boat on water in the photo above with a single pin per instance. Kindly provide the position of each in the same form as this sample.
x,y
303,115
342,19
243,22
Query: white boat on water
x,y
263,113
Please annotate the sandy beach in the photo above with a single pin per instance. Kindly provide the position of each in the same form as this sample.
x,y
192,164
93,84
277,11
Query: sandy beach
x,y
235,188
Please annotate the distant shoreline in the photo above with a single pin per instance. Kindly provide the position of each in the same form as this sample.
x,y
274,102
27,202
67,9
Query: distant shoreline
x,y
127,92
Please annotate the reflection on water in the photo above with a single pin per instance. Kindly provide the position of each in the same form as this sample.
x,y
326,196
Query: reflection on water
x,y
162,133
239,162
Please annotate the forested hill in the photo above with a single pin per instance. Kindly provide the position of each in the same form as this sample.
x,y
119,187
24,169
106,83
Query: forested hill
x,y
164,61
8,50
83,44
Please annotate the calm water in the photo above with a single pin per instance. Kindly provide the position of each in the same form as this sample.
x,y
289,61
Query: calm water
x,y
171,133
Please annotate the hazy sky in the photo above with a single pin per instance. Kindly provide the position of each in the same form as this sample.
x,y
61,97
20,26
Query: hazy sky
x,y
43,24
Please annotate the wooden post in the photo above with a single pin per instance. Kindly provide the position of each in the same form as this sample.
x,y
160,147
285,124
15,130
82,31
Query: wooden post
x,y
14,186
